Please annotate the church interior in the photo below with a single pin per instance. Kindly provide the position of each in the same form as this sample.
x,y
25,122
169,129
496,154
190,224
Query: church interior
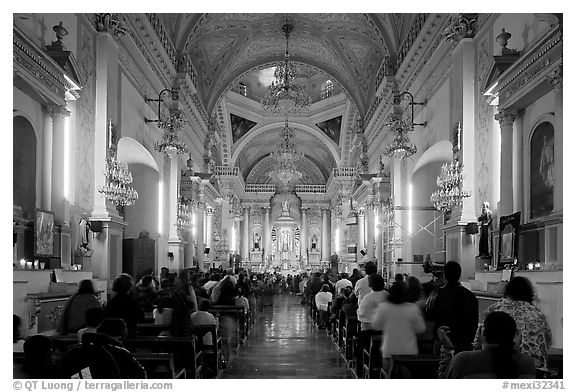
x,y
265,147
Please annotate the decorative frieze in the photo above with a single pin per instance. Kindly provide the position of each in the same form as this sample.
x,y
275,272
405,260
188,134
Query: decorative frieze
x,y
461,26
555,78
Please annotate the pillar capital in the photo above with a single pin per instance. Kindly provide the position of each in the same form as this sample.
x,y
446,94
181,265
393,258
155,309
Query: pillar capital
x,y
58,112
505,117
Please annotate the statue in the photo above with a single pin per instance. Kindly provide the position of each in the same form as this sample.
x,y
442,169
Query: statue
x,y
256,241
314,241
285,208
485,222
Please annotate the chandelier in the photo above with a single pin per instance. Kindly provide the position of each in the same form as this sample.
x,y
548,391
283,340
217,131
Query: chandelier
x,y
184,215
401,147
118,179
117,187
170,143
449,181
286,157
284,94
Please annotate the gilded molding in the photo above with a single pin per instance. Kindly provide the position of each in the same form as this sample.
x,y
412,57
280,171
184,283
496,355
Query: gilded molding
x,y
505,117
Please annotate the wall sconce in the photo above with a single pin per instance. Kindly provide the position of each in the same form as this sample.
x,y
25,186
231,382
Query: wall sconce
x,y
159,100
401,147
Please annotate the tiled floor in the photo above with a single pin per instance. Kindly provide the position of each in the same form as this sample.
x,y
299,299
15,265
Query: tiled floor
x,y
284,343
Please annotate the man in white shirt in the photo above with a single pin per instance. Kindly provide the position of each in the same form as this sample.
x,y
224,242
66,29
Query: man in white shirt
x,y
342,283
370,302
323,298
362,287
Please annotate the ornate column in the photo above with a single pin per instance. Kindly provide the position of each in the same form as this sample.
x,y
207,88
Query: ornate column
x,y
59,114
361,236
173,198
517,157
246,235
47,161
201,240
209,228
267,235
325,234
556,80
304,236
106,57
506,119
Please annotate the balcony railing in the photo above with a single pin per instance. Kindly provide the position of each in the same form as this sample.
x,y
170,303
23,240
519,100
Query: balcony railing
x,y
259,188
305,188
226,171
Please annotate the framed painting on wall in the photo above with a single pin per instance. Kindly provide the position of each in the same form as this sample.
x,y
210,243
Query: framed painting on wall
x,y
44,233
508,244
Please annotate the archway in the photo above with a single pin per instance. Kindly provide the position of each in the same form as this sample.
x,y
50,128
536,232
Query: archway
x,y
24,166
427,223
143,215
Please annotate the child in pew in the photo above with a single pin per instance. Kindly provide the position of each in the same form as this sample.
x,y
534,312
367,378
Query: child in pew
x,y
203,317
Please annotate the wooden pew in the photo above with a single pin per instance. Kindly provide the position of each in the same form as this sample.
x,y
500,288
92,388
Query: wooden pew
x,y
186,355
236,313
349,331
372,357
421,366
211,353
146,329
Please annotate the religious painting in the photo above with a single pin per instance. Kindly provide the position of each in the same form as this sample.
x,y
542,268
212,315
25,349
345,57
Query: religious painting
x,y
240,126
508,249
44,233
542,170
331,128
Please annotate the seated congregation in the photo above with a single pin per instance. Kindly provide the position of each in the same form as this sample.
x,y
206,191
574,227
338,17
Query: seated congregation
x,y
186,326
430,330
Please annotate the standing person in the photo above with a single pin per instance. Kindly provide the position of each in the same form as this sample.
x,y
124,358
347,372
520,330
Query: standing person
x,y
73,313
356,275
124,306
454,306
341,283
399,322
485,221
322,299
367,307
362,287
534,331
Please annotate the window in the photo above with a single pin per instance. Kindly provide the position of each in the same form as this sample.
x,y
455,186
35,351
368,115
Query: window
x,y
327,89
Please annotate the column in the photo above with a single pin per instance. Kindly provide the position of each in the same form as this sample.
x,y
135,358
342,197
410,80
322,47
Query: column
x,y
517,171
47,162
201,241
360,241
58,114
246,235
378,237
304,236
173,199
209,228
267,235
370,232
506,119
557,82
106,56
325,234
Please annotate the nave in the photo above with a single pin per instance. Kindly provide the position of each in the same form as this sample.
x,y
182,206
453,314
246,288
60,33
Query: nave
x,y
285,343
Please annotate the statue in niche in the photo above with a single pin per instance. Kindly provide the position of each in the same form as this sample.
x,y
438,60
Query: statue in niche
x,y
285,208
256,241
314,241
485,222
284,241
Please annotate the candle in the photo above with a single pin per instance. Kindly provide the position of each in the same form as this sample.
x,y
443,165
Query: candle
x,y
530,266
109,133
22,263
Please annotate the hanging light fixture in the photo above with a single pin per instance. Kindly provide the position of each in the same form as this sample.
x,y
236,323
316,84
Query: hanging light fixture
x,y
284,94
450,192
286,157
184,215
170,142
401,147
117,187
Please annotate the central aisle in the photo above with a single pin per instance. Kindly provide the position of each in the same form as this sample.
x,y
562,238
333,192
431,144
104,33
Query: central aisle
x,y
284,343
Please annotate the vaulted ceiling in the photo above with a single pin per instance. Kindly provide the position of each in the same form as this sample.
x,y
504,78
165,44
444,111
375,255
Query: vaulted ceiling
x,y
348,47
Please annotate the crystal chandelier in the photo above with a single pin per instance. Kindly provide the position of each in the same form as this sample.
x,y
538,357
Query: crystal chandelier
x,y
284,94
449,181
286,157
401,147
170,143
117,188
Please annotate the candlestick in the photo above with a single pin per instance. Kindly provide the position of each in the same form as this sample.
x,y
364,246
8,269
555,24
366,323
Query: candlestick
x,y
109,133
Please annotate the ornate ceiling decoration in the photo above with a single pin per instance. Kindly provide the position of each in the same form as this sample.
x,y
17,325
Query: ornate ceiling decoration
x,y
350,47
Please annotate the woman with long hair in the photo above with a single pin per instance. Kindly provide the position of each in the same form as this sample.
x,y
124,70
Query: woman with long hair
x,y
74,310
498,357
